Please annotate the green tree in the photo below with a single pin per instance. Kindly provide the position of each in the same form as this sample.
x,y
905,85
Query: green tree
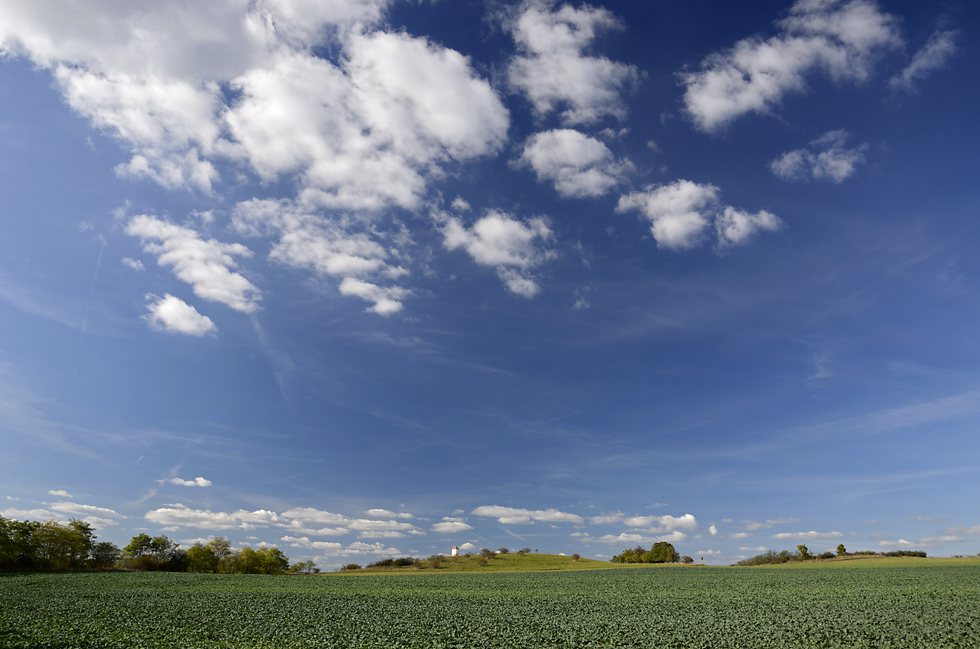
x,y
205,558
663,552
104,555
139,546
199,558
841,550
804,552
265,561
17,551
154,553
306,567
79,539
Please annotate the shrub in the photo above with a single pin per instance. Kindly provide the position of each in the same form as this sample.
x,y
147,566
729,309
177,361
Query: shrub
x,y
575,557
144,564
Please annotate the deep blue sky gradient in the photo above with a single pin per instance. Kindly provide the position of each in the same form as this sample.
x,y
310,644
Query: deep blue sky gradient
x,y
822,377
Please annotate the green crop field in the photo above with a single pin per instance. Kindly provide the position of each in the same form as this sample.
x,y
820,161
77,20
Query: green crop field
x,y
669,607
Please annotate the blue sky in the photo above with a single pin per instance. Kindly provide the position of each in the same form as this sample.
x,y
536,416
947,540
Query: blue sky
x,y
371,278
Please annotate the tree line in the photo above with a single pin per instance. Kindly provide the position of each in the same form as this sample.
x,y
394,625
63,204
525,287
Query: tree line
x,y
54,546
803,554
660,552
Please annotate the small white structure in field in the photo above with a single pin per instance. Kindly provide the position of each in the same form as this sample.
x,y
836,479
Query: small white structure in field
x,y
455,551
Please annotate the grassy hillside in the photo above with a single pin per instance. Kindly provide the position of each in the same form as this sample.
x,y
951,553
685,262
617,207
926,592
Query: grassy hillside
x,y
511,562
875,562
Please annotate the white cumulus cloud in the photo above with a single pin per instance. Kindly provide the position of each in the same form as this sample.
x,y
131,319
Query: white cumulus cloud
x,y
199,93
172,314
554,70
827,158
515,515
196,482
386,299
807,536
333,246
512,246
579,166
668,523
83,510
675,536
843,38
135,264
681,212
451,527
206,264
384,513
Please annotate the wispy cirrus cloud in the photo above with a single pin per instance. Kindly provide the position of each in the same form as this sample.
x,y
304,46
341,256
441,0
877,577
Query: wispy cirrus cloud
x,y
757,525
934,55
959,529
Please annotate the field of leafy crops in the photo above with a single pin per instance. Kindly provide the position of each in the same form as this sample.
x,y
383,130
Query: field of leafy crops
x,y
668,607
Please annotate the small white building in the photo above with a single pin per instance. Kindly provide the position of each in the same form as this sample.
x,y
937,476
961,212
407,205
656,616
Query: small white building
x,y
455,551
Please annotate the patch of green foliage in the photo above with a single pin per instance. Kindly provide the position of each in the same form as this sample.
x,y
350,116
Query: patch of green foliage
x,y
721,608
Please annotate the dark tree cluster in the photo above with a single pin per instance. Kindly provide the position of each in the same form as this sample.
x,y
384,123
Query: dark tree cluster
x,y
32,545
661,552
217,556
36,546
803,554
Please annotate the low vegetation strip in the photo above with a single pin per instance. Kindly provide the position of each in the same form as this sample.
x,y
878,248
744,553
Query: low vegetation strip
x,y
630,607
